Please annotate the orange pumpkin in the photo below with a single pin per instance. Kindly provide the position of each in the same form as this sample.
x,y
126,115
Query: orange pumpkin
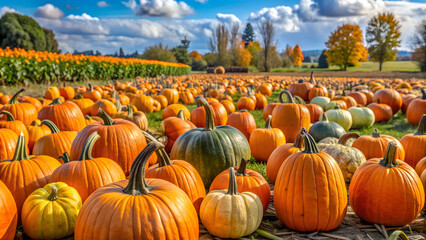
x,y
301,89
144,103
359,97
173,110
85,104
242,121
25,112
66,116
174,127
172,95
220,115
136,117
8,213
8,140
67,92
229,106
315,112
162,100
246,103
382,112
92,94
15,125
415,144
389,97
416,109
52,93
36,131
420,166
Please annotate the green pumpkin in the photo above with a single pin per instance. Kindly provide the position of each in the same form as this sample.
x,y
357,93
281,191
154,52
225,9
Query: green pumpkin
x,y
340,116
361,117
211,149
321,101
325,128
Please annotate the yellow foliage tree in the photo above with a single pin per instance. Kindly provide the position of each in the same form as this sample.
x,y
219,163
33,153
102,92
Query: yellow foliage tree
x,y
244,56
297,56
345,47
195,55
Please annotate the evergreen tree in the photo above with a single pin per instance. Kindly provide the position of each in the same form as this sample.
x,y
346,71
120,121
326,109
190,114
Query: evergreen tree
x,y
322,61
248,35
121,52
181,52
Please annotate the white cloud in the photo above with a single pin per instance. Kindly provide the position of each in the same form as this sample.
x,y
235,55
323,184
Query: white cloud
x,y
342,8
5,10
49,11
201,1
283,17
102,4
84,16
160,8
228,19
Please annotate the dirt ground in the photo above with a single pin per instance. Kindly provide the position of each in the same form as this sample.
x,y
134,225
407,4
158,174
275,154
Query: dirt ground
x,y
351,228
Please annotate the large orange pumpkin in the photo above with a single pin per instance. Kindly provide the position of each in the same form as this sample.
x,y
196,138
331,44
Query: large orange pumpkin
x,y
85,104
8,213
301,89
247,181
220,115
54,144
374,146
8,139
173,127
416,109
290,118
242,121
172,95
23,174
138,208
66,116
25,112
144,103
86,174
179,172
389,97
15,125
382,112
120,141
310,192
373,194
415,144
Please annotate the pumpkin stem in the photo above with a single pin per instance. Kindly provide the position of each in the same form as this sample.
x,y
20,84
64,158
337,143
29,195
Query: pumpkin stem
x,y
209,115
14,99
242,169
423,94
164,159
421,130
137,184
21,149
300,81
289,96
299,139
90,87
129,111
181,115
312,79
107,119
55,101
35,123
324,117
9,116
232,187
336,107
389,160
268,122
53,128
343,139
310,144
53,194
198,102
65,157
376,133
86,153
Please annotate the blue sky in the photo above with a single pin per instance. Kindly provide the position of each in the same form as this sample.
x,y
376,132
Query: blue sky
x,y
135,24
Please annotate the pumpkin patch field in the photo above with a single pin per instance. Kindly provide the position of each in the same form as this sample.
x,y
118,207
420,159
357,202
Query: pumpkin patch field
x,y
214,156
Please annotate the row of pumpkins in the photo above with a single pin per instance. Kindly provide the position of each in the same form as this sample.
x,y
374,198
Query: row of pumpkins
x,y
117,145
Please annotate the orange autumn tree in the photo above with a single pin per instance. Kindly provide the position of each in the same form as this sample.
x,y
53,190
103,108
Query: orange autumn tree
x,y
345,47
244,56
195,55
297,56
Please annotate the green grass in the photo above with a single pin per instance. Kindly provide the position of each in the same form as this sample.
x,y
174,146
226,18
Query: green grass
x,y
394,66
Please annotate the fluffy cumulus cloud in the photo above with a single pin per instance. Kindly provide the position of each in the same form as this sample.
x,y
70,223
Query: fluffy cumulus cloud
x,y
83,17
5,10
283,17
102,4
160,8
228,19
201,1
49,11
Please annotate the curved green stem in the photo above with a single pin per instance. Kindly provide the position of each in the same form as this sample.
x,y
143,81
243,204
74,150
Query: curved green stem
x,y
376,133
65,157
9,116
310,144
209,115
242,169
53,194
163,157
343,139
421,130
107,119
289,96
137,184
389,160
21,149
232,187
86,153
181,115
268,122
14,99
55,101
129,111
53,128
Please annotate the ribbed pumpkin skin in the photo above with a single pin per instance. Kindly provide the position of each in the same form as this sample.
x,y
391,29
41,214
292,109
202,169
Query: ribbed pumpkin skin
x,y
416,109
85,105
17,127
46,219
389,97
253,183
8,140
120,142
310,193
196,147
136,217
277,158
172,95
373,147
421,166
88,175
8,213
35,132
66,116
243,121
290,118
183,175
415,144
268,109
263,141
173,110
220,115
388,196
24,176
173,128
55,144
24,112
